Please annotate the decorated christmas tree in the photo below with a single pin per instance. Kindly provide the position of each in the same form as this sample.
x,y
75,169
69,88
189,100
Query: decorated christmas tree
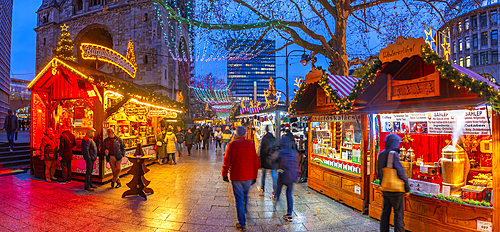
x,y
64,47
130,52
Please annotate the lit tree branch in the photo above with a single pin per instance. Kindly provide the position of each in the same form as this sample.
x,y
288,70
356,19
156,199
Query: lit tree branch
x,y
322,18
370,4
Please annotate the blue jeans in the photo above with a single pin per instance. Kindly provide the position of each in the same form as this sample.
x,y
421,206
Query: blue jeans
x,y
240,190
274,174
396,202
10,138
179,147
289,196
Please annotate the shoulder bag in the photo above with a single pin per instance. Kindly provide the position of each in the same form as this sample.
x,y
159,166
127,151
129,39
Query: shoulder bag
x,y
390,180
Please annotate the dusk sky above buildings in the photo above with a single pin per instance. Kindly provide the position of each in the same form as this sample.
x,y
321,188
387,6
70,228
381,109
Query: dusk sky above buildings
x,y
24,48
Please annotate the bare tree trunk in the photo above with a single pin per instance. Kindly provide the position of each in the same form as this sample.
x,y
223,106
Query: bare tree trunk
x,y
338,62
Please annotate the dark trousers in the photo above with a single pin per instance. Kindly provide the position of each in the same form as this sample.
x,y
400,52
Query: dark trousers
x,y
88,173
289,196
189,148
171,159
393,201
218,144
66,170
10,137
206,144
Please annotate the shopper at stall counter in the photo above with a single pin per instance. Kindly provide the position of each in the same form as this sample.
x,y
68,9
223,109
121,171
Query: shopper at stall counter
x,y
189,141
11,126
89,152
394,200
288,168
267,147
114,149
48,149
179,136
67,142
242,162
169,142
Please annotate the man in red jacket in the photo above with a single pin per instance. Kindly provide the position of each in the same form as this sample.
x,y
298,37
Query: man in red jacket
x,y
242,162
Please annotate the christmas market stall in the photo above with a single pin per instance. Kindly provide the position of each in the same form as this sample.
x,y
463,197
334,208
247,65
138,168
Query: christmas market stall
x,y
447,117
338,147
66,94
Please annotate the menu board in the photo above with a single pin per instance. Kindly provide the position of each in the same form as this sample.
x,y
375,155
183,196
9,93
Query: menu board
x,y
474,122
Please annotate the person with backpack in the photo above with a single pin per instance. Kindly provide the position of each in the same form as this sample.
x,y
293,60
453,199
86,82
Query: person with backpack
x,y
218,139
180,140
392,200
226,138
288,173
267,147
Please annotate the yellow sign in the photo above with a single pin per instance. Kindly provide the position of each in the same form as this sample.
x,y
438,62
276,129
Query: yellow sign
x,y
162,114
98,52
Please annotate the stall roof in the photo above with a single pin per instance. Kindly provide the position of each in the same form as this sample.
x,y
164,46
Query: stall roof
x,y
342,84
251,110
474,75
56,68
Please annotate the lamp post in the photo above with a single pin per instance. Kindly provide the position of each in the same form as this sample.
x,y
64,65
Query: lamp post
x,y
304,61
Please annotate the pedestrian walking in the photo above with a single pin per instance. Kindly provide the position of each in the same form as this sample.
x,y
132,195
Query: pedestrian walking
x,y
206,137
226,138
189,140
392,200
11,126
160,147
89,152
197,135
180,140
48,149
67,143
288,173
218,139
114,149
267,147
290,136
242,162
169,142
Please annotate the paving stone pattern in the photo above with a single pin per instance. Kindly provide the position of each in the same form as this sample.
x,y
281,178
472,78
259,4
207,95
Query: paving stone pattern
x,y
189,196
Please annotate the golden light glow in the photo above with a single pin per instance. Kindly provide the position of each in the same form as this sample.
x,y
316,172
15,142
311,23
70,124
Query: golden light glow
x,y
431,41
155,106
112,52
64,27
446,47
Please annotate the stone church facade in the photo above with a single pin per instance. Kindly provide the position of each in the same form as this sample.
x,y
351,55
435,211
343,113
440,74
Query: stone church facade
x,y
160,46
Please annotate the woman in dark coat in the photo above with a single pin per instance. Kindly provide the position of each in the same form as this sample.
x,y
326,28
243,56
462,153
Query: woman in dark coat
x,y
189,140
48,150
197,135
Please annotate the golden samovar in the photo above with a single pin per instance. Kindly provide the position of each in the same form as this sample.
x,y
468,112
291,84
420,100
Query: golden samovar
x,y
455,167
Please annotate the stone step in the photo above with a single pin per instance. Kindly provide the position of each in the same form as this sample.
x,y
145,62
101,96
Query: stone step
x,y
16,148
19,152
9,158
6,144
14,170
15,163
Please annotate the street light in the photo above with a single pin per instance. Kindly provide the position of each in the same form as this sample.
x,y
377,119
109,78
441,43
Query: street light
x,y
304,61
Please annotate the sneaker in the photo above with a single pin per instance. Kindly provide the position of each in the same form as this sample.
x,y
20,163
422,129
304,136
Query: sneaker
x,y
240,227
62,182
288,218
119,185
93,186
53,178
48,180
261,190
90,190
112,184
11,150
68,182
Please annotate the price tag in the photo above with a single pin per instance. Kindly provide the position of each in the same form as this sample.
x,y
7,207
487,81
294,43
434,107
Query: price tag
x,y
424,169
357,190
446,191
484,226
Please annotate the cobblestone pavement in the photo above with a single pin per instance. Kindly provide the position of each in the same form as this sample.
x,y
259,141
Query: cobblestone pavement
x,y
189,196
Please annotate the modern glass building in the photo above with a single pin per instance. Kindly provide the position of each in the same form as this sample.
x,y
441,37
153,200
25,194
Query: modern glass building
x,y
245,69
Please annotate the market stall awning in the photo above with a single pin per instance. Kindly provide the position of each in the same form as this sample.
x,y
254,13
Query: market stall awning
x,y
342,84
474,75
252,110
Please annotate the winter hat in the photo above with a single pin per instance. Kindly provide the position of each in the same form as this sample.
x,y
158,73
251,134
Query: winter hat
x,y
241,131
392,141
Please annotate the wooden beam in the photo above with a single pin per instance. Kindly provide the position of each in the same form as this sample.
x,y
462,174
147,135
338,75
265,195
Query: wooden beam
x,y
496,170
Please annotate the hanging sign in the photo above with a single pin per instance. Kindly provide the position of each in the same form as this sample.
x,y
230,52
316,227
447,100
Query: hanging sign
x,y
101,53
475,122
162,114
136,111
334,118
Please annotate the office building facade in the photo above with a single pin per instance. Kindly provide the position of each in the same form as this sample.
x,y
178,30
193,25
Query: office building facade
x,y
5,43
246,70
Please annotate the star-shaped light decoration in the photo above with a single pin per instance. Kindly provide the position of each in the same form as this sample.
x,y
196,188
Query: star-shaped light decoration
x,y
298,82
431,41
64,27
446,47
